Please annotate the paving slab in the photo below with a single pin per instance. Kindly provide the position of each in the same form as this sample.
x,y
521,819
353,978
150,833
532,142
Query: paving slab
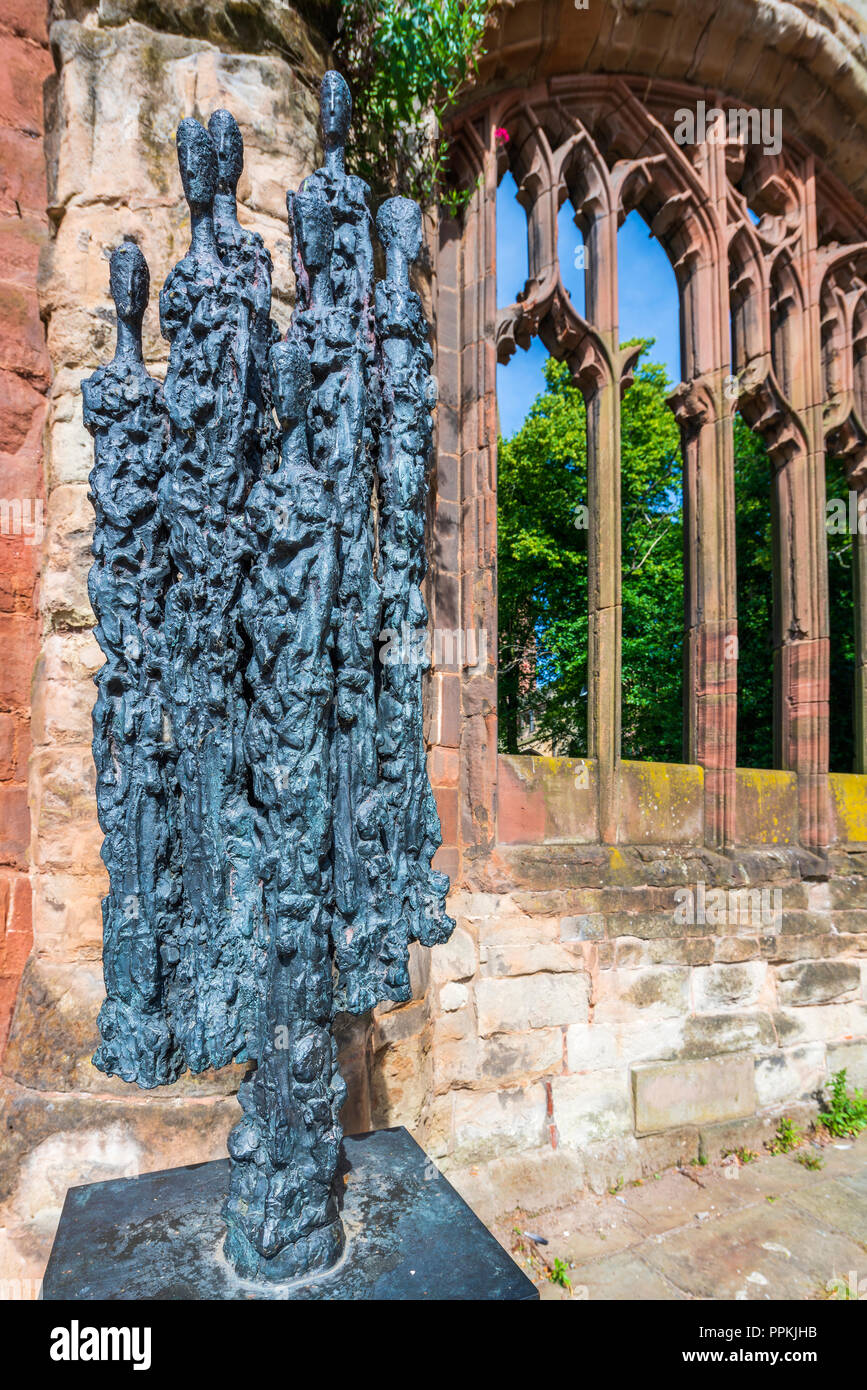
x,y
680,1196
836,1206
621,1277
586,1231
771,1229
760,1252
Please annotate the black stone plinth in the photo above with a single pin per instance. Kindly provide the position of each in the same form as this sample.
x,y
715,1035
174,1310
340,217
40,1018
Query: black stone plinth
x,y
409,1236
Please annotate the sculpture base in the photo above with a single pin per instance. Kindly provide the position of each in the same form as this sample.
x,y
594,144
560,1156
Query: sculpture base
x,y
409,1235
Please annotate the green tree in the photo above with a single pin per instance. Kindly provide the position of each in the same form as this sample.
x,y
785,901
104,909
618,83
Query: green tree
x,y
542,581
405,61
754,541
754,551
542,574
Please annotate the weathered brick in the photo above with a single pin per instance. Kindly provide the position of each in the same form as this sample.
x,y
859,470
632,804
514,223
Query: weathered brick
x,y
14,825
531,959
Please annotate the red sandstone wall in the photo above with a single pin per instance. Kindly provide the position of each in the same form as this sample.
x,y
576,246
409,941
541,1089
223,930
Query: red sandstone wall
x,y
24,65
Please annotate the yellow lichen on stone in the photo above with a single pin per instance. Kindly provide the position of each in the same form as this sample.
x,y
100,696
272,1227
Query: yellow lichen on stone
x,y
849,795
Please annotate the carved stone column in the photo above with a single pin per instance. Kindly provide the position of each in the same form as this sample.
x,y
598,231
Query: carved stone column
x,y
778,359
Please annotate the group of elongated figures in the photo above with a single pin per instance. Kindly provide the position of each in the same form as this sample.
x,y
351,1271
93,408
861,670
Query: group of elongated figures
x,y
261,776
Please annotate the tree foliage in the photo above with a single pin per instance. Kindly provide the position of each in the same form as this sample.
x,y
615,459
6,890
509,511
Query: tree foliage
x,y
542,576
755,582
542,581
406,60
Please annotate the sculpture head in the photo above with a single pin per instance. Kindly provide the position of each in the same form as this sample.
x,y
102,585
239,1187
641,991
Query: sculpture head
x,y
399,225
335,110
291,382
226,136
197,160
129,280
314,230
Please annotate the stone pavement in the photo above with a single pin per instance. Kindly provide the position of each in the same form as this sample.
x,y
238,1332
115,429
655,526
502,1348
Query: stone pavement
x,y
773,1230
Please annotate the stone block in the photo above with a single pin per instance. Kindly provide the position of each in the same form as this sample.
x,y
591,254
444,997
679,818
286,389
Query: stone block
x,y
709,1035
766,807
490,1123
396,1025
672,1094
848,807
650,1039
520,1055
455,959
71,447
63,803
590,1046
453,996
667,1148
591,1108
628,996
834,1022
399,1083
532,958
790,1074
818,982
754,1132
514,1004
731,950
14,825
849,1055
728,986
532,1182
69,535
587,926
18,644
546,799
661,803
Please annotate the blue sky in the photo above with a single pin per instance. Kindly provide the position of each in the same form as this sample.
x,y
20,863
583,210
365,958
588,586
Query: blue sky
x,y
648,297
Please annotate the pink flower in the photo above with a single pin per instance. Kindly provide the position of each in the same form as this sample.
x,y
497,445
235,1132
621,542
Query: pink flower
x,y
501,135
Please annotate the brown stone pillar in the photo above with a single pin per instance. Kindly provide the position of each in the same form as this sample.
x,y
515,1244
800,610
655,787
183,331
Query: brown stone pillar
x,y
801,624
698,237
478,524
801,636
710,637
604,368
25,63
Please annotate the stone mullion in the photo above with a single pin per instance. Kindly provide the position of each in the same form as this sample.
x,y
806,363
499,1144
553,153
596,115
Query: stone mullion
x,y
710,686
604,590
710,603
802,636
604,600
801,640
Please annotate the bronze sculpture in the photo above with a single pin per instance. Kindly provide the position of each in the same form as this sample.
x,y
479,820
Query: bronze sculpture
x,y
262,785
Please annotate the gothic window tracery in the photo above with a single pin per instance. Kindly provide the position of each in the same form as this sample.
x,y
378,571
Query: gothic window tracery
x,y
769,253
